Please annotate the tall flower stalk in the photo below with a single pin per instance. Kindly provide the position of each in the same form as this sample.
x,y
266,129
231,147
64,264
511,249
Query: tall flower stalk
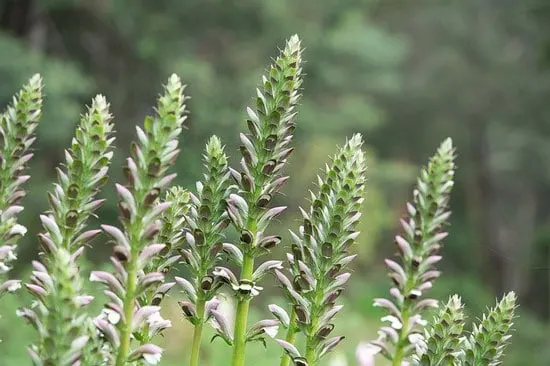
x,y
17,125
265,150
206,220
55,282
141,211
418,247
320,254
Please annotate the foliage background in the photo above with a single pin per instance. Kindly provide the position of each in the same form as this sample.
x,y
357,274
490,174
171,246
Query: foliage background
x,y
405,73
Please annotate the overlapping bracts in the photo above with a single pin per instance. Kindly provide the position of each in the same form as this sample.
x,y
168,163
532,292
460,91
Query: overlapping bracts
x,y
55,282
17,125
320,252
136,246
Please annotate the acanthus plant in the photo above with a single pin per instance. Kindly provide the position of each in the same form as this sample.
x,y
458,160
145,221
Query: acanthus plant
x,y
408,338
136,246
320,254
63,328
17,125
418,252
265,150
206,221
166,227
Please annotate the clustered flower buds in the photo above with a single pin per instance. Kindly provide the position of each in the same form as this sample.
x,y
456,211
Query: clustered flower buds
x,y
320,254
206,222
135,246
55,282
445,344
17,125
485,345
171,234
442,340
418,247
265,150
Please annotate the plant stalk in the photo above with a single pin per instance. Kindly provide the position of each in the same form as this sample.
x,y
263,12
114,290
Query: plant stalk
x,y
310,347
290,337
197,333
399,349
125,331
310,355
241,318
315,306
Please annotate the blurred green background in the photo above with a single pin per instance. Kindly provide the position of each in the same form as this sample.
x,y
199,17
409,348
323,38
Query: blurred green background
x,y
404,73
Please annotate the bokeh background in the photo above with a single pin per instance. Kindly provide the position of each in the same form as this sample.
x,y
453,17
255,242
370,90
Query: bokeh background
x,y
404,73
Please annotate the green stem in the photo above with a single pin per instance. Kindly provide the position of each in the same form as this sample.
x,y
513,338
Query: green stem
x,y
125,331
310,355
241,318
290,337
400,346
316,307
197,333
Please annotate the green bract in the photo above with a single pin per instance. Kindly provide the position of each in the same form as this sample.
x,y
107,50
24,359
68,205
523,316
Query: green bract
x,y
443,336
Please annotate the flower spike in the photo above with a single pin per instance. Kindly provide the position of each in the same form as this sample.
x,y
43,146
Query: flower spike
x,y
141,215
320,253
418,252
486,344
56,281
17,125
171,235
206,222
442,341
265,150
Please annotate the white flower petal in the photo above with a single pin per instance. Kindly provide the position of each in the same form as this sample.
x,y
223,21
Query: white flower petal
x,y
14,286
152,358
395,323
271,331
365,353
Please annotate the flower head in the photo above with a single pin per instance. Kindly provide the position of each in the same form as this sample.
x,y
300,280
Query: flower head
x,y
56,282
18,123
320,250
489,338
413,272
137,280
